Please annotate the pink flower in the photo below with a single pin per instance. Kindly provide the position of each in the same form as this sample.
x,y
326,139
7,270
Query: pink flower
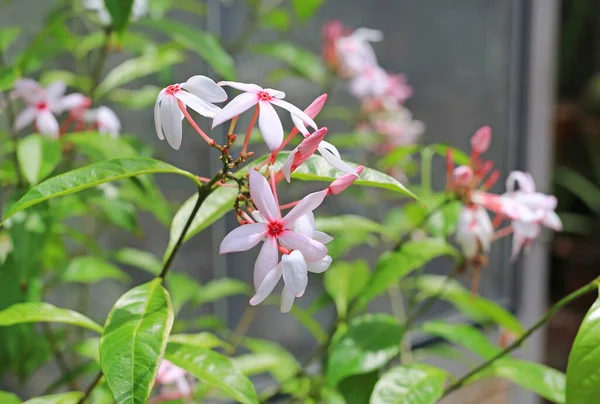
x,y
340,184
399,126
302,152
397,89
105,119
475,231
268,120
355,51
275,229
480,142
371,81
173,382
201,92
463,176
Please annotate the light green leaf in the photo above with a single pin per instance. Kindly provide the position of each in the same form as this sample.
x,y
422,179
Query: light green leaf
x,y
92,270
69,78
206,45
309,323
541,379
8,35
35,312
72,397
134,340
120,11
139,259
101,147
38,157
475,307
341,223
131,69
287,365
9,398
182,289
305,63
306,9
344,280
89,348
220,288
395,265
583,370
277,18
401,153
213,369
215,206
255,363
416,383
8,77
370,341
201,340
91,176
142,98
464,335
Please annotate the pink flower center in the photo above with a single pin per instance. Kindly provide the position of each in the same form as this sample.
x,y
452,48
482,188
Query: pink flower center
x,y
264,96
172,89
275,228
42,105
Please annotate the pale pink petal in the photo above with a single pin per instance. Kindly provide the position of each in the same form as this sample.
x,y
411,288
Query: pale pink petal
x,y
311,249
319,266
286,168
205,89
55,90
235,107
202,107
300,125
243,238
29,90
47,124
552,221
316,106
108,121
267,260
517,245
262,196
258,216
305,225
463,175
287,300
157,123
524,180
25,118
321,237
340,184
267,285
71,101
171,122
309,203
294,110
270,125
295,274
274,93
480,142
247,87
333,160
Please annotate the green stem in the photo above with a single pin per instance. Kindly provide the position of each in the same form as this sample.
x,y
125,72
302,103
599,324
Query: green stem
x,y
399,311
426,158
97,73
555,308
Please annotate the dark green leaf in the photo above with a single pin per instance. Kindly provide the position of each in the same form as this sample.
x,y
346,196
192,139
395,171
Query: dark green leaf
x,y
358,388
464,335
92,270
120,12
370,341
306,9
134,340
415,383
344,281
35,312
304,63
579,185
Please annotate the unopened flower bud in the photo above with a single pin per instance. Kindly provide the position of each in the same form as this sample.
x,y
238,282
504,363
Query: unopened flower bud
x,y
480,142
463,176
340,184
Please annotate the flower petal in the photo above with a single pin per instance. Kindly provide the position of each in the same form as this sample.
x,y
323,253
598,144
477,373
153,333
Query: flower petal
x,y
525,181
295,274
333,160
309,203
319,266
157,123
267,260
71,101
25,118
311,249
243,238
205,89
270,125
262,196
47,124
300,125
274,93
171,124
552,221
247,87
305,225
235,107
321,237
29,90
294,110
55,90
202,107
287,300
267,285
286,167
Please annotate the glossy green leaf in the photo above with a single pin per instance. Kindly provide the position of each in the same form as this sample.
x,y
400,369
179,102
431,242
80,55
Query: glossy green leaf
x,y
72,397
357,389
213,369
306,9
476,307
139,259
91,176
183,289
131,69
134,340
415,383
344,281
92,270
201,340
305,63
38,157
35,312
222,287
541,379
395,265
287,365
369,342
215,206
9,398
101,147
341,223
205,44
120,12
464,335
8,35
583,370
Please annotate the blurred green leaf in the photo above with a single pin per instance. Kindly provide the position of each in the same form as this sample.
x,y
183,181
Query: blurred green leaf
x,y
201,340
38,156
206,45
69,78
91,270
118,211
142,98
120,12
309,323
286,367
276,18
89,348
401,153
341,223
36,312
100,147
464,335
416,383
183,289
344,281
222,287
305,63
354,140
576,223
579,185
306,9
358,388
8,35
9,398
139,259
255,363
8,77
72,397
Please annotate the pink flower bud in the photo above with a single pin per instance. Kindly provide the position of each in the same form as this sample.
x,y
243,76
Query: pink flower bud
x,y
316,106
300,154
340,184
480,142
463,175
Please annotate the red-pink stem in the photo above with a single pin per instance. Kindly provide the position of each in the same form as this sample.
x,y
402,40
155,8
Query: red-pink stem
x,y
289,205
250,127
273,186
187,115
502,233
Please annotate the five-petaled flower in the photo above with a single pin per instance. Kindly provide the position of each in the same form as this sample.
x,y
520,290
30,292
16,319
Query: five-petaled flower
x,y
104,119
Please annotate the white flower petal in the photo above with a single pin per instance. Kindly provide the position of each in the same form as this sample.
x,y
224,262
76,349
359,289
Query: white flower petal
x,y
524,180
205,89
47,124
552,221
55,90
311,249
247,87
235,107
295,274
286,168
267,285
270,125
305,225
157,122
287,300
267,260
294,110
262,196
309,203
71,101
333,160
171,124
25,118
319,266
300,125
243,238
204,108
321,237
274,93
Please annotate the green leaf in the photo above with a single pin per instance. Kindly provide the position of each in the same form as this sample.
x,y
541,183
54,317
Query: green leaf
x,y
89,348
201,340
344,281
579,185
341,223
8,77
92,270
255,363
38,157
215,206
541,379
476,307
142,66
8,36
35,312
101,147
305,63
287,365
213,369
395,265
401,153
69,78
134,340
9,398
277,18
138,99
220,288
182,289
464,335
91,176
415,383
120,11
72,397
206,45
309,323
370,341
583,370
306,9
139,259
358,388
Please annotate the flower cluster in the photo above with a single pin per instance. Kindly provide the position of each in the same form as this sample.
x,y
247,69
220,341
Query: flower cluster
x,y
173,383
43,104
382,95
293,235
526,209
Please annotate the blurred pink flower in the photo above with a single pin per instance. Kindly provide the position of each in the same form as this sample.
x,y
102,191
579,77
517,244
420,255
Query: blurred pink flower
x,y
399,126
105,120
173,383
372,81
355,51
397,89
474,231
480,142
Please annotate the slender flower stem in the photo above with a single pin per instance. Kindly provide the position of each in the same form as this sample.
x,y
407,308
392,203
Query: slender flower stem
x,y
90,388
399,311
289,205
242,327
273,182
250,127
232,125
209,140
502,233
289,137
97,74
551,312
426,157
